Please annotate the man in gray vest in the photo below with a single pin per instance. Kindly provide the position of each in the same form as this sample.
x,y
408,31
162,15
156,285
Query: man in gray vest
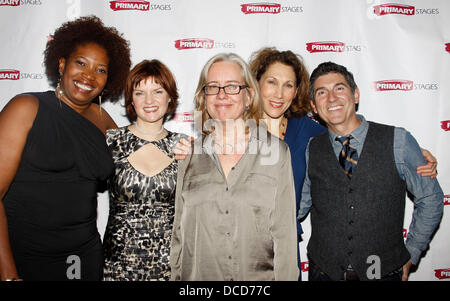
x,y
356,181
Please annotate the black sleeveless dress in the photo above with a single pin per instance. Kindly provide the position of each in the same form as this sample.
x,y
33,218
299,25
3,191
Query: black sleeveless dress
x,y
51,205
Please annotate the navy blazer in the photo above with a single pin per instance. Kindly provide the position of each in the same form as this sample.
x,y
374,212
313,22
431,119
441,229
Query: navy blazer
x,y
299,131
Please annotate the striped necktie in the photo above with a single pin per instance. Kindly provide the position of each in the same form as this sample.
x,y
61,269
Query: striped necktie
x,y
348,157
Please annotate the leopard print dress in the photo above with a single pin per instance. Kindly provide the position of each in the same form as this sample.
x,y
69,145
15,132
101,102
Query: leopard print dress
x,y
138,234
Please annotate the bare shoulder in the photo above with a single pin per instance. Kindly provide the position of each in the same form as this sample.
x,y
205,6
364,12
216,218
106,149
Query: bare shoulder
x,y
23,107
23,101
108,121
100,117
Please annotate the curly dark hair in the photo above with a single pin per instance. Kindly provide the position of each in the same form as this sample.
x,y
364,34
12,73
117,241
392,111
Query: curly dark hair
x,y
90,29
263,58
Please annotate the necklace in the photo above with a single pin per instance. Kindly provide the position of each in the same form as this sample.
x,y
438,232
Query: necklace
x,y
222,147
283,127
228,148
154,134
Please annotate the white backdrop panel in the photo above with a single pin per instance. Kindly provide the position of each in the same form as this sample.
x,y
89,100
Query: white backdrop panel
x,y
407,47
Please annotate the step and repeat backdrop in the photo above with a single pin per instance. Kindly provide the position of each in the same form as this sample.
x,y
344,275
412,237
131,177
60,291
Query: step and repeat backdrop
x,y
398,51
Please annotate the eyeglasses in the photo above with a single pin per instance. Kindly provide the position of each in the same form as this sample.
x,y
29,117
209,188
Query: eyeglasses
x,y
228,89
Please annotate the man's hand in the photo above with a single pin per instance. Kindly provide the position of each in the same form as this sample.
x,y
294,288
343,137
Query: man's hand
x,y
406,269
428,170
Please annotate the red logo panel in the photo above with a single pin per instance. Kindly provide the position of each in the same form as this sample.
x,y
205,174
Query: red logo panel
x,y
445,125
326,46
442,274
9,74
129,5
392,8
305,266
183,117
194,43
392,85
10,3
261,8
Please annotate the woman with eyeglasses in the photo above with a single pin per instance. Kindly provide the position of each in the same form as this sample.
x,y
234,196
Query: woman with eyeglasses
x,y
235,200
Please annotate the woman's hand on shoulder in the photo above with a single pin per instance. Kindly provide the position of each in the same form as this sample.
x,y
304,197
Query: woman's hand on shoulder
x,y
429,169
183,148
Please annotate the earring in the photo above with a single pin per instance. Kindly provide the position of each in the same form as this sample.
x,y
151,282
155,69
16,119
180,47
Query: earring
x,y
59,92
100,103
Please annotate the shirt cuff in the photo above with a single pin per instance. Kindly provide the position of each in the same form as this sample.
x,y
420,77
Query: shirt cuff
x,y
415,254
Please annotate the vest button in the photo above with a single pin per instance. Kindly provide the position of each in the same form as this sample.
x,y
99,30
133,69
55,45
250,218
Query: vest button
x,y
352,207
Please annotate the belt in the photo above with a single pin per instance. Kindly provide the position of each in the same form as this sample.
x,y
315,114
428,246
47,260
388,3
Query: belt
x,y
350,275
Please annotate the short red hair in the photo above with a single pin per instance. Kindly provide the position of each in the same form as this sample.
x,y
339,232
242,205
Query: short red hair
x,y
161,75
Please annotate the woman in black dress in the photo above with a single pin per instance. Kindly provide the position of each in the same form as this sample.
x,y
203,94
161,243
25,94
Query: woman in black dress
x,y
53,156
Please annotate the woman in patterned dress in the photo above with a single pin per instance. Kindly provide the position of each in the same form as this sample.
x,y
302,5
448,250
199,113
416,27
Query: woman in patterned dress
x,y
142,189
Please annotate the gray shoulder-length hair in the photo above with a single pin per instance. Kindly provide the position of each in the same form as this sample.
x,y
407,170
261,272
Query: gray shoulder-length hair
x,y
254,110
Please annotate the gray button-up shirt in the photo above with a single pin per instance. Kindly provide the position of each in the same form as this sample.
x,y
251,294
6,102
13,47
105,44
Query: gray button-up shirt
x,y
242,227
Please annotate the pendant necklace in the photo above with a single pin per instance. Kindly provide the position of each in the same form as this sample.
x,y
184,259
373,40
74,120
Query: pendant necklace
x,y
283,127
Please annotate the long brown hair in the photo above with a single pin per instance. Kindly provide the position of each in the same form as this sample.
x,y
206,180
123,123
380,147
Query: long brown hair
x,y
263,58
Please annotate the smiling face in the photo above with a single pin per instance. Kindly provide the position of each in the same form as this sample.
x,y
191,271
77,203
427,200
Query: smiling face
x,y
83,74
150,101
224,106
335,102
278,88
